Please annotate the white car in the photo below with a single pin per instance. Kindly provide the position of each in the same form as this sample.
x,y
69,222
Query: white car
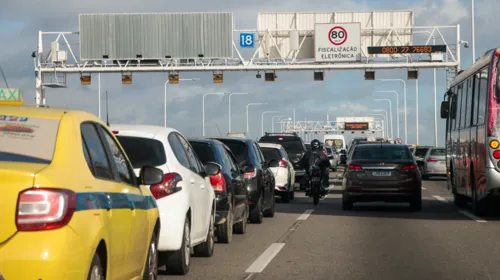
x,y
185,199
284,174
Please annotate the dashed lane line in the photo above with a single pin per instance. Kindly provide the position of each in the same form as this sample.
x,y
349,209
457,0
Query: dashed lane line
x,y
463,212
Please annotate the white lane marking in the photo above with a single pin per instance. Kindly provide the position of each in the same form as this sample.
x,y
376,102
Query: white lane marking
x,y
265,258
472,216
442,199
306,215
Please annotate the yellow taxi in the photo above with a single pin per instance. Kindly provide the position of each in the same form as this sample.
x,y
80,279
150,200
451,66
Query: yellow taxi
x,y
71,206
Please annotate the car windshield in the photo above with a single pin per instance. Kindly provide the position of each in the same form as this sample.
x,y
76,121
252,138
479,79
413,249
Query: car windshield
x,y
25,139
203,151
239,149
438,152
271,153
381,152
143,151
292,145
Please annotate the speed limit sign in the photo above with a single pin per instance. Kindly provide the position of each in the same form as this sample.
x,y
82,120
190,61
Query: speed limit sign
x,y
337,42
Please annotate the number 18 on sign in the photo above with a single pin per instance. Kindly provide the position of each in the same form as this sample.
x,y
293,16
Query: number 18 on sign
x,y
337,42
247,40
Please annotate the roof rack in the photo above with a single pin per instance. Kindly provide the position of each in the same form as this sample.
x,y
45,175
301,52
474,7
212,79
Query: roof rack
x,y
281,133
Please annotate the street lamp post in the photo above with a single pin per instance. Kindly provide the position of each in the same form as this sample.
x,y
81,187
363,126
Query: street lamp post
x,y
272,122
406,115
165,105
397,109
473,33
390,111
229,116
248,106
203,106
262,120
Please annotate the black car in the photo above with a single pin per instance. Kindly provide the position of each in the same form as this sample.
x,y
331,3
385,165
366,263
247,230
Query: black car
x,y
230,190
419,154
258,178
382,172
294,147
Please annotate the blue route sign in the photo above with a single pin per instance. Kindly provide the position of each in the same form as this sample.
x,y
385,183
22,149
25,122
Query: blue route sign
x,y
247,40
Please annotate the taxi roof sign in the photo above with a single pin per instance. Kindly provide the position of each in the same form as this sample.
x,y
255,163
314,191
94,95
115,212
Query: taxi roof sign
x,y
11,96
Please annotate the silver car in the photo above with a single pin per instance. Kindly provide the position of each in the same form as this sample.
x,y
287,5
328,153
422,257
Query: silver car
x,y
434,163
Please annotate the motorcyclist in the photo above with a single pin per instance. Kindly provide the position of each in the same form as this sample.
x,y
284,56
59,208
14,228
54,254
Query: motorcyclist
x,y
317,153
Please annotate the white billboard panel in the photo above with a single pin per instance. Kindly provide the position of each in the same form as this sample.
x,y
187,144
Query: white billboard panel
x,y
337,42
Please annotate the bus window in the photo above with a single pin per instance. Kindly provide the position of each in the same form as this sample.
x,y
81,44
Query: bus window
x,y
463,92
453,109
469,93
483,91
475,110
459,105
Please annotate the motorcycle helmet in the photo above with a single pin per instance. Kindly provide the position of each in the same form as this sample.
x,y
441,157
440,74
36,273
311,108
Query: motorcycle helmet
x,y
315,144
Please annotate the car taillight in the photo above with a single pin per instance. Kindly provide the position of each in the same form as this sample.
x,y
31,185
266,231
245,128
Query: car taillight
x,y
44,209
167,187
283,163
432,160
496,154
315,174
355,168
218,183
115,132
250,174
409,167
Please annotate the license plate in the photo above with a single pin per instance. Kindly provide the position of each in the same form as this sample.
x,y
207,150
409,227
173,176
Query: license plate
x,y
316,179
381,173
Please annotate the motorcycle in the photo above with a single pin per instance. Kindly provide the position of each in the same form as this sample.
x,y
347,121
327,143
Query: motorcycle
x,y
315,180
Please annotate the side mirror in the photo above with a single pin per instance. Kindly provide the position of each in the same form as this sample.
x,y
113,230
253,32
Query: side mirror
x,y
273,163
212,168
150,175
445,108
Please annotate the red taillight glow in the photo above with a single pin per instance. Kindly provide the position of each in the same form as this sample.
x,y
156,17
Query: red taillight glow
x,y
283,163
218,183
496,154
115,131
432,160
251,174
167,187
409,167
44,209
355,167
315,174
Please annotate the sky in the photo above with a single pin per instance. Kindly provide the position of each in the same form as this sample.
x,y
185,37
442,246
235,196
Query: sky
x,y
343,93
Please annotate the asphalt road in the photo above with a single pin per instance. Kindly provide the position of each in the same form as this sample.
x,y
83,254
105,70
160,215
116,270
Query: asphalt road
x,y
374,241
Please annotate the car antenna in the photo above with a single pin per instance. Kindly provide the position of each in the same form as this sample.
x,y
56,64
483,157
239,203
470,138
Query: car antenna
x,y
218,129
107,115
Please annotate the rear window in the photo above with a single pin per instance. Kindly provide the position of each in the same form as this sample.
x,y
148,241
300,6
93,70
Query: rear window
x,y
239,149
143,151
339,143
420,152
292,145
271,153
381,152
204,152
25,139
438,152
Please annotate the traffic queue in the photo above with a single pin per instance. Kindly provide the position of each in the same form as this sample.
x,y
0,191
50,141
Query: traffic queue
x,y
128,199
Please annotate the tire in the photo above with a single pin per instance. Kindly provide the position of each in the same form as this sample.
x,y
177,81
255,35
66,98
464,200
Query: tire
x,y
416,203
257,215
178,262
425,177
269,213
459,200
206,249
225,231
96,270
286,197
347,205
241,227
292,195
151,265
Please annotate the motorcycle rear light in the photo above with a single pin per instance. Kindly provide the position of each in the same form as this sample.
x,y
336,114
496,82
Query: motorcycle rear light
x,y
283,163
44,209
355,168
168,186
315,174
432,160
496,154
218,183
409,167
